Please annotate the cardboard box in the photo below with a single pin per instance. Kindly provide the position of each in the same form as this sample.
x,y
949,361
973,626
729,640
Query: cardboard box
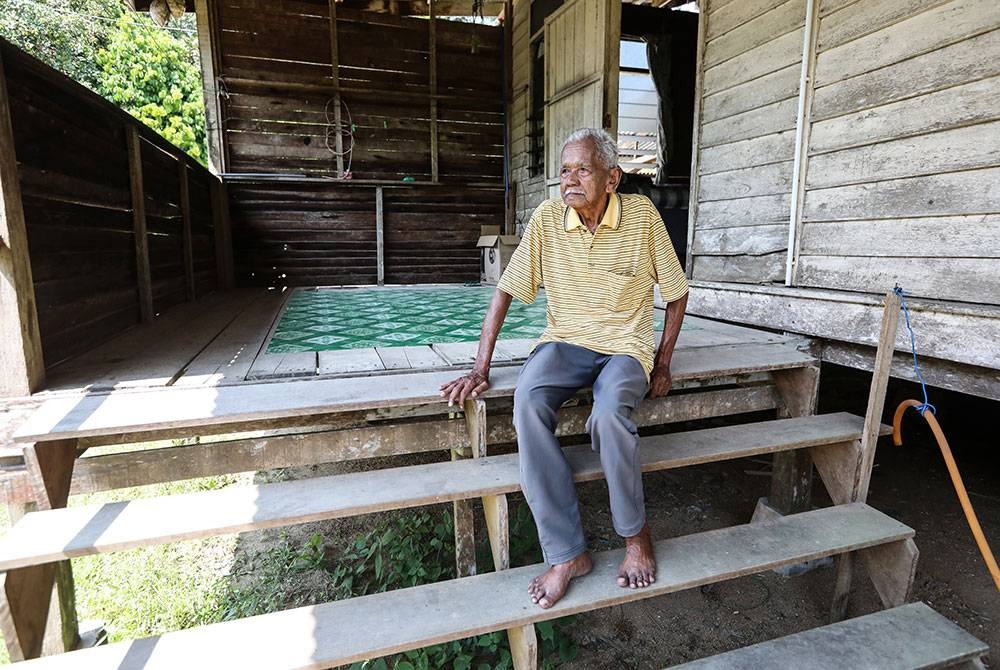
x,y
495,252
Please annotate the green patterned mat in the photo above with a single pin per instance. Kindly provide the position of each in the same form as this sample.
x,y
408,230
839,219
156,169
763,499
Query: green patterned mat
x,y
333,319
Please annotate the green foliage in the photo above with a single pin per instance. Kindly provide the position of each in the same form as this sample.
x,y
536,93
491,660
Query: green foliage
x,y
410,549
153,73
61,32
155,77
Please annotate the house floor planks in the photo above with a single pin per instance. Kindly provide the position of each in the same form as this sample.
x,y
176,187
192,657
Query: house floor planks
x,y
223,339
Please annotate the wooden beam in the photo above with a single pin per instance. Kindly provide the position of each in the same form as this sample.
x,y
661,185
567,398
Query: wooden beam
x,y
22,368
208,53
803,126
145,285
510,204
223,235
380,235
335,66
699,92
465,530
791,479
869,438
185,204
33,618
432,33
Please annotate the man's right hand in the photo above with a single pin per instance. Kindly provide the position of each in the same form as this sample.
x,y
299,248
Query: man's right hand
x,y
466,386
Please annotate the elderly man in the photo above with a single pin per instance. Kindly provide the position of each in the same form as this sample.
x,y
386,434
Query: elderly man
x,y
598,254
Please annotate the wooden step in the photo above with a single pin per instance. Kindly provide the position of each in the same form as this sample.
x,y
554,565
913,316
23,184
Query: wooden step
x,y
342,632
910,637
42,537
129,411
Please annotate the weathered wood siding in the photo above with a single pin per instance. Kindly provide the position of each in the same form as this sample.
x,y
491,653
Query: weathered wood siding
x,y
73,165
903,178
530,187
277,68
307,233
750,69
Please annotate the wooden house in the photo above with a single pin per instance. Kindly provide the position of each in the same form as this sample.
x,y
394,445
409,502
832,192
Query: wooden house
x,y
836,148
840,148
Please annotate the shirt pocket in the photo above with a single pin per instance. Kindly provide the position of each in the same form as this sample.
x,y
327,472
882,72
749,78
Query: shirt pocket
x,y
618,291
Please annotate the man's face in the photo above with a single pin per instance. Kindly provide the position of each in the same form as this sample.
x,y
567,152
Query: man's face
x,y
584,182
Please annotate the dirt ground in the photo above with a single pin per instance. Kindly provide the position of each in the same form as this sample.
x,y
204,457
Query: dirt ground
x,y
909,483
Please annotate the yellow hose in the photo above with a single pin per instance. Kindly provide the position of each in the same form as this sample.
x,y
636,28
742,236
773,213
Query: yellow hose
x,y
956,480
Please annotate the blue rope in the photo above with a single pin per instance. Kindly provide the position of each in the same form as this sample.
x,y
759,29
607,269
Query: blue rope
x,y
923,407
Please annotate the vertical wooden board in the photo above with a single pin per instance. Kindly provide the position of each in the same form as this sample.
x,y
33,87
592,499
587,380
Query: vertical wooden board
x,y
139,223
213,114
22,369
24,609
185,207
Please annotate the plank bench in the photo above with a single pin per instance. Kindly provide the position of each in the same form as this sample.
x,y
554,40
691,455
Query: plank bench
x,y
909,637
327,635
732,379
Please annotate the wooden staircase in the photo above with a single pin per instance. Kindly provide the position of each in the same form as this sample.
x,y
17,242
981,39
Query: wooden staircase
x,y
341,632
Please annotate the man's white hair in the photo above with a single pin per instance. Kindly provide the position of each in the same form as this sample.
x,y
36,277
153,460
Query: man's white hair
x,y
605,146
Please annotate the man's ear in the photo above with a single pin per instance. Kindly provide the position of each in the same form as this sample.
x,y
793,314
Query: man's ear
x,y
614,179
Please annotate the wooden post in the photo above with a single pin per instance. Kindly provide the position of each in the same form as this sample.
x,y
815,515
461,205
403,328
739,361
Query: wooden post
x,y
510,205
335,65
185,205
22,369
699,89
432,30
465,532
379,236
791,479
26,594
223,235
145,285
869,438
803,127
210,68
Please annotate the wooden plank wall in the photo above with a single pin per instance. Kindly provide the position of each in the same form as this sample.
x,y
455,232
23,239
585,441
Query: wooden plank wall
x,y
311,232
530,188
751,67
903,181
277,68
73,163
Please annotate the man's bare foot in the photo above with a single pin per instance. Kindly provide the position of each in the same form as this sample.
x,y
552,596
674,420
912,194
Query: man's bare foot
x,y
547,588
639,567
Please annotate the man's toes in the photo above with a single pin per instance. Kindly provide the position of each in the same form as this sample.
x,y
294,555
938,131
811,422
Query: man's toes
x,y
545,603
622,581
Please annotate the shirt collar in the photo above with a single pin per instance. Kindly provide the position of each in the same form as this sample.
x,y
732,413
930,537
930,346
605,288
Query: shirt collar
x,y
612,215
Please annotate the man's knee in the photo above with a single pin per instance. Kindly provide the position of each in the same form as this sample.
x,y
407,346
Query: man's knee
x,y
610,416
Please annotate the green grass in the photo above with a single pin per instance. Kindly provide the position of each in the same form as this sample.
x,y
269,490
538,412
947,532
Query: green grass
x,y
148,591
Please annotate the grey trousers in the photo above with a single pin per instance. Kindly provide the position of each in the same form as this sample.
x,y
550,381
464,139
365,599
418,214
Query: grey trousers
x,y
551,375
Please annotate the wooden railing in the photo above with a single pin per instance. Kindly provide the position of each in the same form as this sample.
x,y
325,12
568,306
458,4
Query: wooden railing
x,y
118,224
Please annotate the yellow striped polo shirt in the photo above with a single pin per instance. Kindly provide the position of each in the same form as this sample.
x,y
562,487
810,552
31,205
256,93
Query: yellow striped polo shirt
x,y
599,286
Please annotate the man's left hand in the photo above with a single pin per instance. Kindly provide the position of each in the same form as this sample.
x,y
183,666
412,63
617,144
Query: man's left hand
x,y
660,381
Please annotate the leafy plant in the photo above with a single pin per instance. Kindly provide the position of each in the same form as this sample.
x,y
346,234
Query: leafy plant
x,y
154,76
